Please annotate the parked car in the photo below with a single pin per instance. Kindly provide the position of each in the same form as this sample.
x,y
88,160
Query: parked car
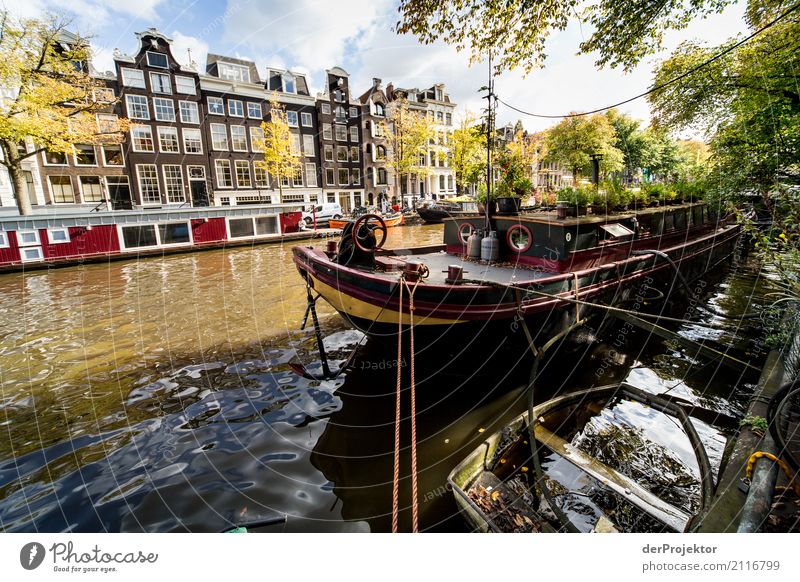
x,y
322,212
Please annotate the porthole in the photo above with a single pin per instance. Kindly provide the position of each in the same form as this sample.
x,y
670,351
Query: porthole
x,y
519,238
465,229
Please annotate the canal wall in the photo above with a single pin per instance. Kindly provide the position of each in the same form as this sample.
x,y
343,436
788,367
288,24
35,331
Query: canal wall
x,y
738,508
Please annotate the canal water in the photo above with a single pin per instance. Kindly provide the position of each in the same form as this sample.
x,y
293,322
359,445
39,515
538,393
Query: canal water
x,y
163,395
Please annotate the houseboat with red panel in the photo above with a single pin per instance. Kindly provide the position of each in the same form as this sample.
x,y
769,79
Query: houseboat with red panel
x,y
59,238
542,267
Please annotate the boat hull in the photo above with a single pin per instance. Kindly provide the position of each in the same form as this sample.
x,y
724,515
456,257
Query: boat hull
x,y
389,222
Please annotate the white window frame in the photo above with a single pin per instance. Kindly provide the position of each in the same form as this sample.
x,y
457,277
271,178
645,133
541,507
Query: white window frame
x,y
162,130
132,78
193,107
38,250
149,64
158,244
200,139
354,133
241,73
306,116
139,184
311,170
236,164
75,156
133,140
355,176
4,244
52,241
308,139
23,231
227,140
254,138
155,109
52,190
353,112
103,193
252,106
216,101
166,183
327,131
339,176
330,172
292,115
243,135
291,79
153,75
217,165
142,100
256,183
326,109
253,219
230,110
182,84
46,163
341,129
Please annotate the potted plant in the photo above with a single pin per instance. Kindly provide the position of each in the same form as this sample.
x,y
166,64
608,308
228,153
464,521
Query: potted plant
x,y
565,201
598,201
483,201
508,199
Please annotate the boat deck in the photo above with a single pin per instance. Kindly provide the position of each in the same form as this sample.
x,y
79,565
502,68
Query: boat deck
x,y
438,261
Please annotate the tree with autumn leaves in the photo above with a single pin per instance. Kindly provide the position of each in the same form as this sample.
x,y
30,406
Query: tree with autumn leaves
x,y
409,135
280,159
50,102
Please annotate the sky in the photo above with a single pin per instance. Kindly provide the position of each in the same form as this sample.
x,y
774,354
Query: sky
x,y
310,36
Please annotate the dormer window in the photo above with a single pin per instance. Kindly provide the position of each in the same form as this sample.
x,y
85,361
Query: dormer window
x,y
412,96
439,96
231,72
157,60
379,110
289,84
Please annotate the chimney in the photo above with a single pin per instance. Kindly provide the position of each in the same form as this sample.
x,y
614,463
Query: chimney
x,y
376,82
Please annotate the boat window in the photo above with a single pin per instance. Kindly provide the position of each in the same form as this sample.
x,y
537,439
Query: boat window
x,y
139,236
241,227
266,225
519,238
174,233
465,230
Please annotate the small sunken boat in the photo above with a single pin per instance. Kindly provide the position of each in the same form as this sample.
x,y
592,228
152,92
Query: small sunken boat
x,y
389,221
542,267
436,212
589,474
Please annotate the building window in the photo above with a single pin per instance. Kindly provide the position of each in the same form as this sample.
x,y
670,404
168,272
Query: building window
x,y
379,110
238,138
289,84
55,158
256,139
354,133
449,182
341,154
216,106
148,183
189,112
112,155
173,181
308,145
160,83
341,133
326,131
85,155
441,182
338,95
3,240
133,78
224,177
328,153
311,175
298,176
192,141
107,123
326,108
61,189
291,118
254,110
242,174
353,112
330,177
104,95
296,145
164,108
157,60
449,118
142,138
356,174
380,152
235,108
137,107
344,177
219,137
233,72
439,116
185,85
306,120
340,113
91,189
260,175
168,140
382,176
354,156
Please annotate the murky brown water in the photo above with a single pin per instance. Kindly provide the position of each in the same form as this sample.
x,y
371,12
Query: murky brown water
x,y
156,395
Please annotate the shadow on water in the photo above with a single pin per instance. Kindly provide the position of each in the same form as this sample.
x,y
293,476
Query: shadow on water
x,y
159,396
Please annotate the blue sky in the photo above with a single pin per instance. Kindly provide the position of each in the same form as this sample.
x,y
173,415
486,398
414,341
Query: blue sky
x,y
313,35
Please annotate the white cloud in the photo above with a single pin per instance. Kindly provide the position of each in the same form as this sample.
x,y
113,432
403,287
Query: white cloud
x,y
182,43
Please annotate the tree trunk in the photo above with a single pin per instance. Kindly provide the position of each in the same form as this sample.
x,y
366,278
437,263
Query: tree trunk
x,y
17,178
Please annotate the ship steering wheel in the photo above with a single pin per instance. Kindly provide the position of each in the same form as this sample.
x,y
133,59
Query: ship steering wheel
x,y
371,223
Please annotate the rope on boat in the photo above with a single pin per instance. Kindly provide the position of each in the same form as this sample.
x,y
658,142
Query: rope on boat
x,y
784,467
413,413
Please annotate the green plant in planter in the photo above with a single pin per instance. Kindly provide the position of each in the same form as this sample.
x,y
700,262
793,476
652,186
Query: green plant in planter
x,y
639,199
566,194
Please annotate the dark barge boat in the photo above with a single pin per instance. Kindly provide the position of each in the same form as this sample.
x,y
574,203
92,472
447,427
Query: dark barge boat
x,y
544,265
63,238
437,212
